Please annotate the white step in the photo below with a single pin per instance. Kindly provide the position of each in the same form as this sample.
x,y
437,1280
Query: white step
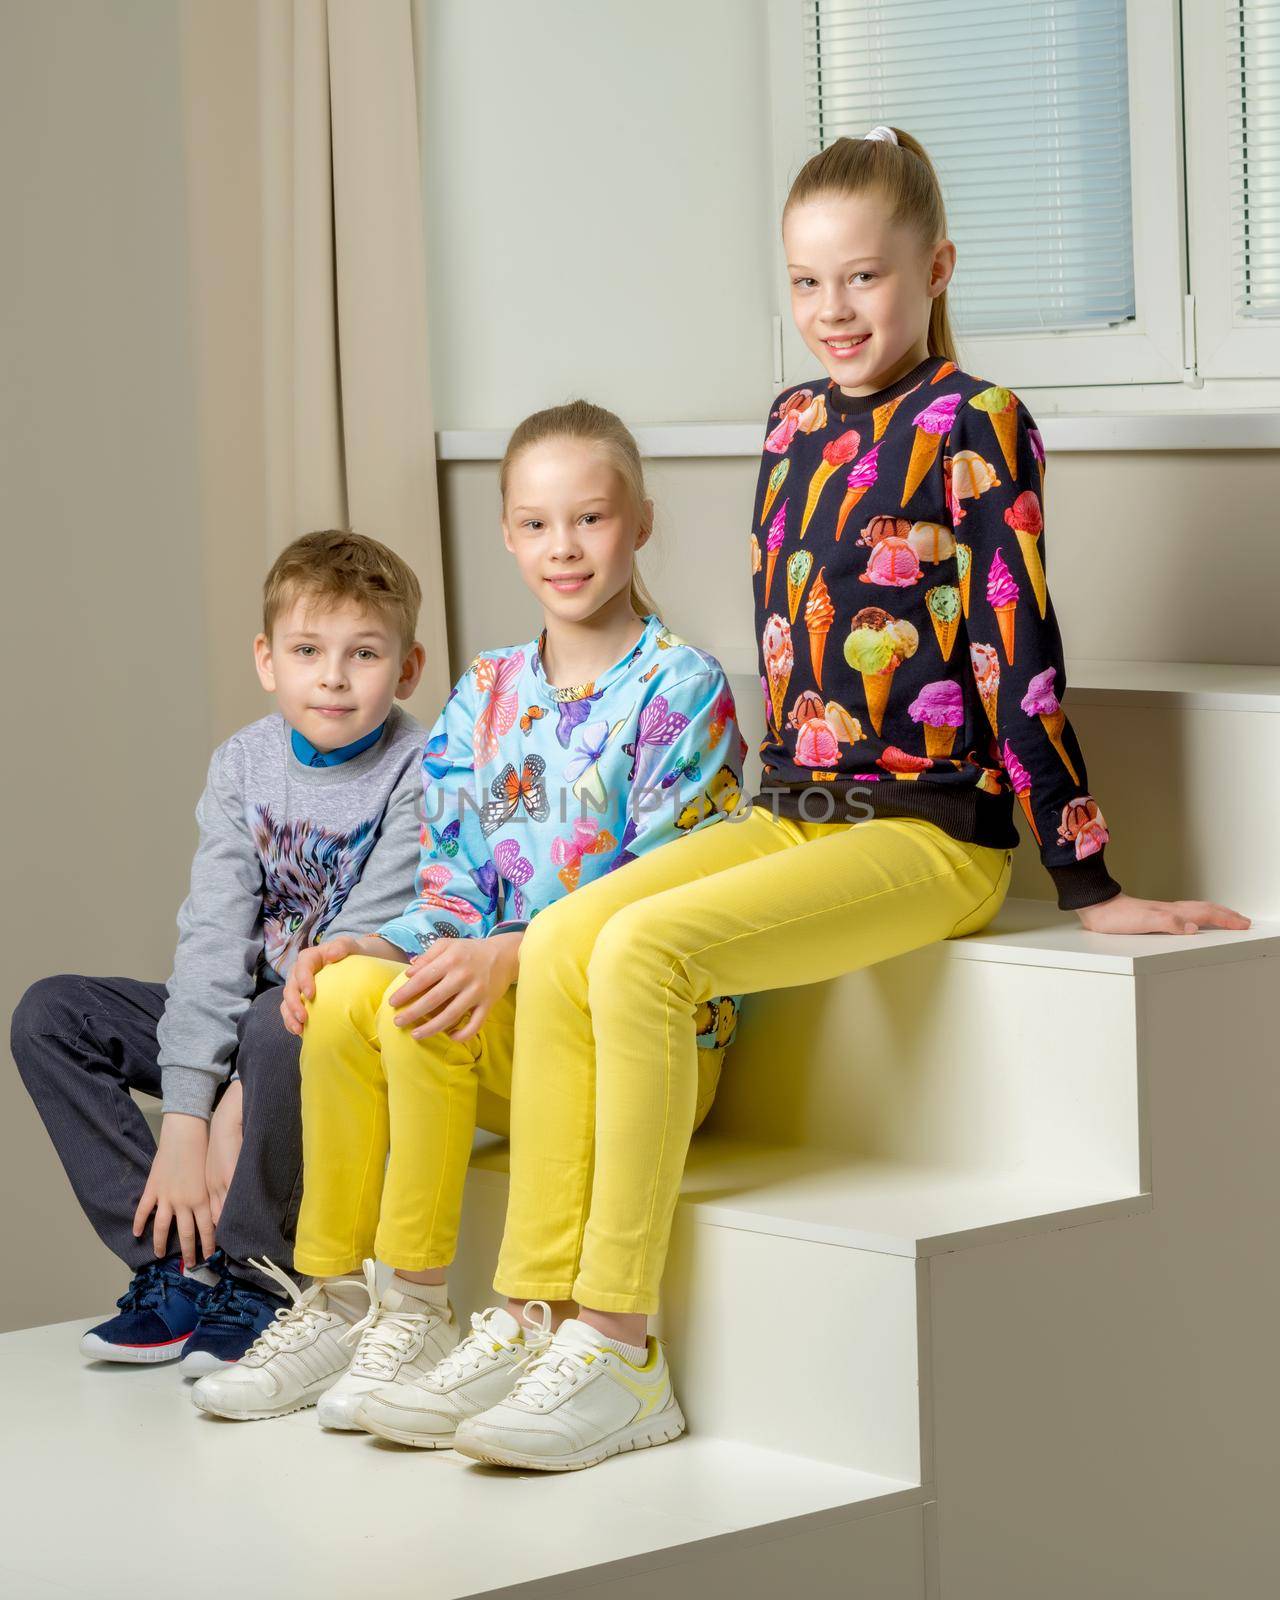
x,y
110,1469
1015,1051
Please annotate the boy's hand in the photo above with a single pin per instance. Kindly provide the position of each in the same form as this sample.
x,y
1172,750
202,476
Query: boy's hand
x,y
300,986
1125,914
176,1189
226,1134
452,978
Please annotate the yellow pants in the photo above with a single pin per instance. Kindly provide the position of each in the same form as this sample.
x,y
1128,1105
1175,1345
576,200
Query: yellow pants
x,y
388,1120
606,1089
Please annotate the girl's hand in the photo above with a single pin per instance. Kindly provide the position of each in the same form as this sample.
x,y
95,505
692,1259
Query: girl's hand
x,y
300,986
452,978
1124,914
176,1190
226,1134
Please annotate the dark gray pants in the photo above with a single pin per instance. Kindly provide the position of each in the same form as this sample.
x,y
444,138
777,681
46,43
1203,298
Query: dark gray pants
x,y
81,1044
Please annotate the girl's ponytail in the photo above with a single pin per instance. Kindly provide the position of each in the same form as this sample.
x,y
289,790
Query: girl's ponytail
x,y
902,171
590,424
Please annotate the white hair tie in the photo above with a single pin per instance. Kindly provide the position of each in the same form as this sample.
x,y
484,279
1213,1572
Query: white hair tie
x,y
881,132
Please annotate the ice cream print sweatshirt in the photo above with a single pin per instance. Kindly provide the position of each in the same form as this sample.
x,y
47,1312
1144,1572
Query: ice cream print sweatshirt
x,y
531,790
909,655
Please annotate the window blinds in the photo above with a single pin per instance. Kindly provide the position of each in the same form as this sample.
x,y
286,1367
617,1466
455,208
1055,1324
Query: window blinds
x,y
1253,73
1024,110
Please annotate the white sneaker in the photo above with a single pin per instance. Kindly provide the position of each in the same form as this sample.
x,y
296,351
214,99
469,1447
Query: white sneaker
x,y
400,1338
426,1410
293,1360
577,1402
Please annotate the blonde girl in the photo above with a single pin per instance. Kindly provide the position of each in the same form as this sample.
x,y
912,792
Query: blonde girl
x,y
553,765
912,673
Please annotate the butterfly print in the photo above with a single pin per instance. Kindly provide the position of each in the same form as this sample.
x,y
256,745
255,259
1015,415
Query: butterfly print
x,y
515,869
658,727
486,880
571,715
434,758
691,767
588,839
445,840
495,677
431,880
582,769
511,790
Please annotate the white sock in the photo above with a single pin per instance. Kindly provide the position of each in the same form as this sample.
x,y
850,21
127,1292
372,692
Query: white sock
x,y
636,1354
347,1297
432,1294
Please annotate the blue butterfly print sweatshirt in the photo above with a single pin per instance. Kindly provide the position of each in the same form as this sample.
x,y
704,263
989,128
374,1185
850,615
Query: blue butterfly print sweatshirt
x,y
531,790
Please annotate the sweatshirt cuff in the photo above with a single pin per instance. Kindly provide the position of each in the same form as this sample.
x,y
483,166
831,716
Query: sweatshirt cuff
x,y
515,925
1083,883
190,1090
403,935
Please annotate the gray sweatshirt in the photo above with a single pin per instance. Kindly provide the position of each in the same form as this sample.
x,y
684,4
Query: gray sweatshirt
x,y
288,855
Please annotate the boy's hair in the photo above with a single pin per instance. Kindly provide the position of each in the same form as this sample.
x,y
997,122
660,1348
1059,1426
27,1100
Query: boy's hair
x,y
335,566
581,420
906,178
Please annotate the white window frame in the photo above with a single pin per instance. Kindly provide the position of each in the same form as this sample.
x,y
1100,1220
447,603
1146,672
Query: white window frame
x,y
1154,348
1228,345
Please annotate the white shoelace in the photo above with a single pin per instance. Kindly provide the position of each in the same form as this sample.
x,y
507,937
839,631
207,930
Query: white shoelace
x,y
556,1367
294,1322
483,1342
386,1339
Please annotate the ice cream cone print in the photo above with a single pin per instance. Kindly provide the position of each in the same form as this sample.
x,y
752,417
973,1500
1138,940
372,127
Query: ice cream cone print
x,y
964,572
1025,518
986,674
779,659
1024,800
944,371
1053,724
858,482
877,645
1001,409
838,453
1002,597
1005,617
819,614
776,479
882,416
1020,778
798,565
1028,543
876,687
773,544
939,707
931,423
943,606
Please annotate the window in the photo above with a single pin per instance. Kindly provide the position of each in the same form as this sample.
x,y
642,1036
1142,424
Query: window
x,y
1024,110
1233,169
1056,130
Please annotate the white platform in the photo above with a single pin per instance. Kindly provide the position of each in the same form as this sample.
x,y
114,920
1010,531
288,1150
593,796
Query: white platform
x,y
119,1487
1008,1256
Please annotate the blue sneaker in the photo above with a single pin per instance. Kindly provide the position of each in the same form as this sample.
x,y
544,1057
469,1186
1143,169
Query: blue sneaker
x,y
156,1315
232,1316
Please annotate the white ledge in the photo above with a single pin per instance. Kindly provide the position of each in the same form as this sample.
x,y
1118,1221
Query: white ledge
x,y
1169,685
1223,430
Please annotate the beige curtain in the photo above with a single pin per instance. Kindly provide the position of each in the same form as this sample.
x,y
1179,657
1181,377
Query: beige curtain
x,y
309,304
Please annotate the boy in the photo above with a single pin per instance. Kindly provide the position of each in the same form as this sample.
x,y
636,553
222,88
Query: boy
x,y
308,828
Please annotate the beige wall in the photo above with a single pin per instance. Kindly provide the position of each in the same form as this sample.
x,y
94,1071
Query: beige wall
x,y
105,721
127,605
